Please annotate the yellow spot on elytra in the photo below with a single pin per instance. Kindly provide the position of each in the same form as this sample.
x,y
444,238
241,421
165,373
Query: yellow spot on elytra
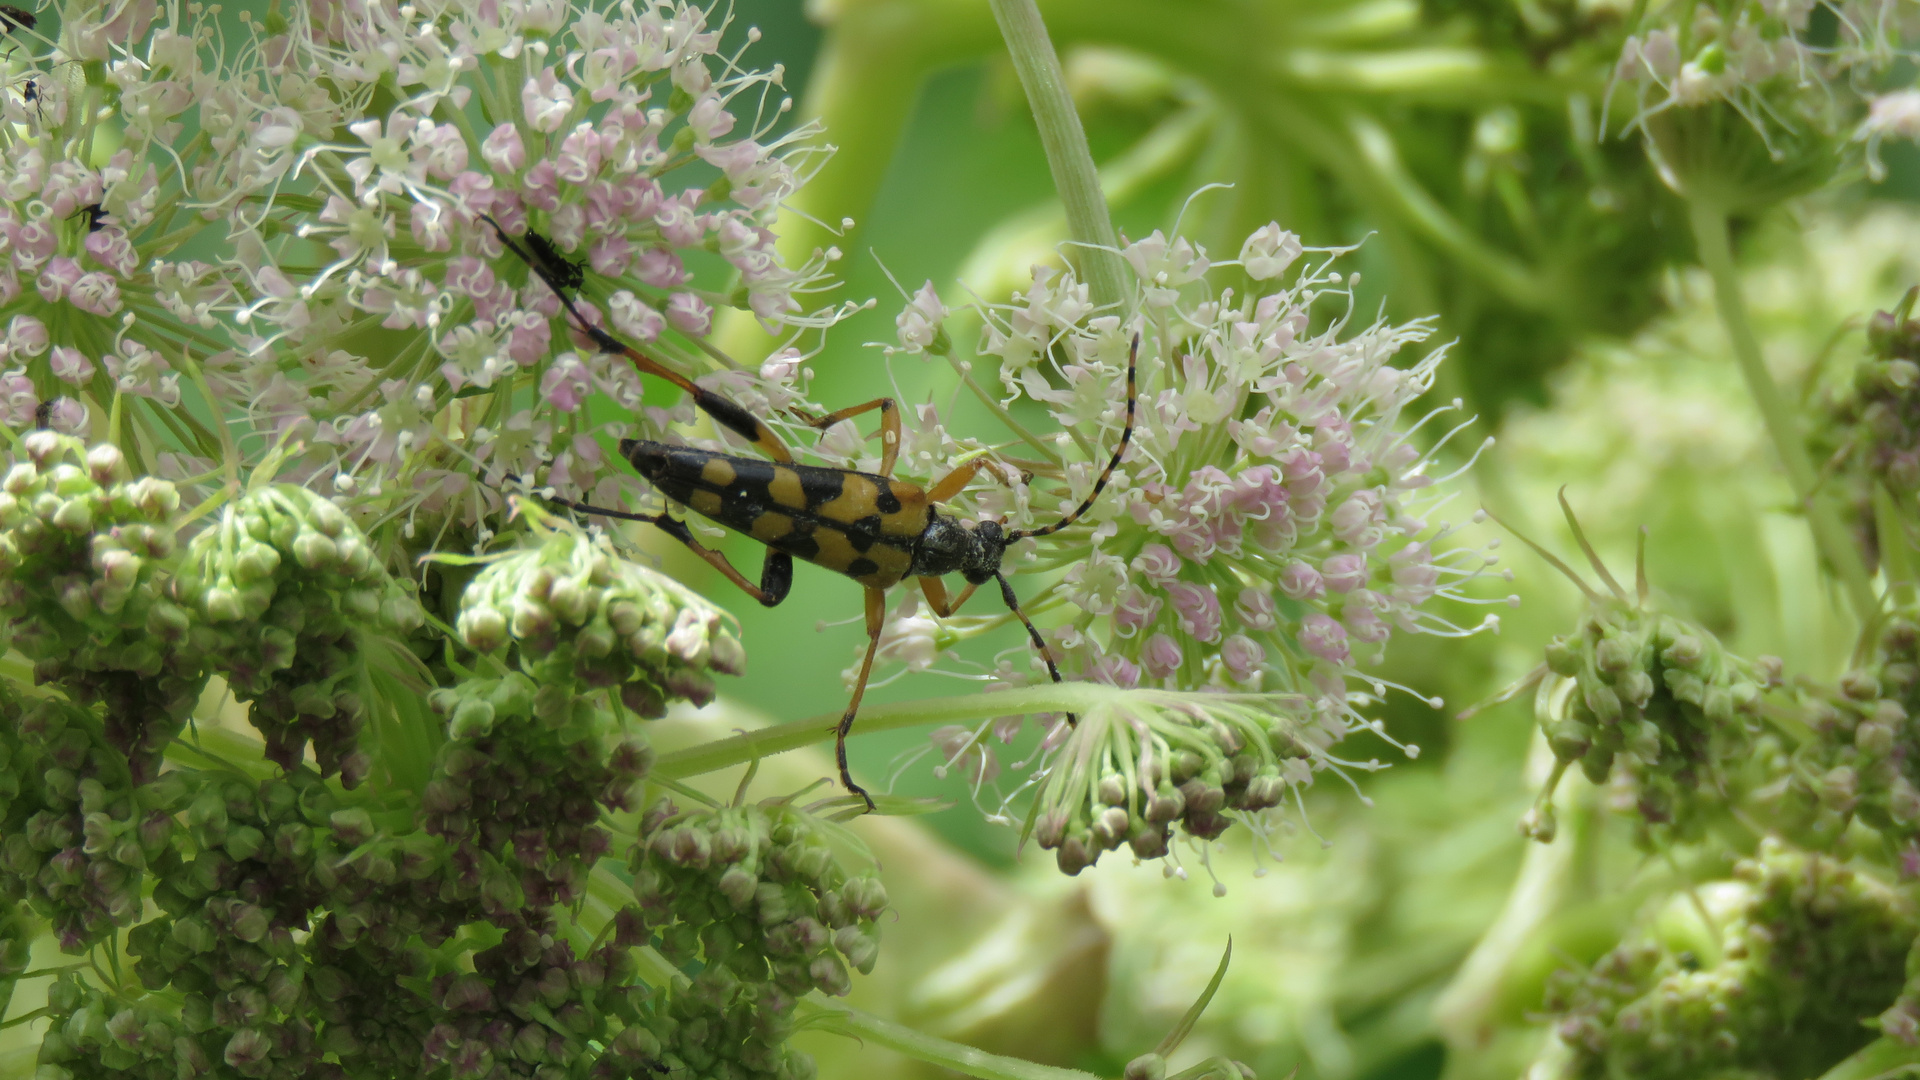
x,y
857,499
785,489
706,503
911,519
771,526
835,552
717,472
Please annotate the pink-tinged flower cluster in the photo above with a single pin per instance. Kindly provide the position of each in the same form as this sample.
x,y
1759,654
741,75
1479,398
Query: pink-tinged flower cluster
x,y
1272,524
581,124
1269,527
91,210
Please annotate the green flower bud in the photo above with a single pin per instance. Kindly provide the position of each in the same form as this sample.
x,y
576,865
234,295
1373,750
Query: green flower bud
x,y
471,720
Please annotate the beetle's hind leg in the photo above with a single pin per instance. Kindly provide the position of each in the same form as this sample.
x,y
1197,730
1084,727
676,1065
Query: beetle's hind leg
x,y
776,571
876,619
723,411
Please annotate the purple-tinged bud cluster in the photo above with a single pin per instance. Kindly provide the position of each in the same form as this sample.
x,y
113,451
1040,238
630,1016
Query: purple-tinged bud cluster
x,y
579,615
1863,759
1660,698
1133,771
94,1036
525,778
80,838
1869,430
85,552
531,1007
723,1025
286,592
760,892
1807,949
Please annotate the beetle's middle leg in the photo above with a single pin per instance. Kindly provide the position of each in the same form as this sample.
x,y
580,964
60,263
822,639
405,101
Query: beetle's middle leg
x,y
876,619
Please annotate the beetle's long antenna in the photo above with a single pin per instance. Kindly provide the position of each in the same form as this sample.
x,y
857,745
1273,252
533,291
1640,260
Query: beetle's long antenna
x,y
1033,634
1126,436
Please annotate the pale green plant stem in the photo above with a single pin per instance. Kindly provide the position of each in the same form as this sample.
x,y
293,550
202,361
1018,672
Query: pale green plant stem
x,y
1076,697
830,1015
1068,157
1829,533
1882,1059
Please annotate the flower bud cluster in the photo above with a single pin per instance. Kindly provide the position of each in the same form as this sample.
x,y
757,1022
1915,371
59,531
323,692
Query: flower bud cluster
x,y
758,890
1870,429
283,587
531,1007
722,1025
258,858
80,837
524,779
1659,697
1739,104
758,897
292,918
1863,761
1129,773
1806,951
84,558
577,614
93,1036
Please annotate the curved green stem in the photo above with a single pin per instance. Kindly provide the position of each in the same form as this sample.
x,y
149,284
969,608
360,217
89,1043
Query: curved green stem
x,y
1829,533
1071,163
1077,697
830,1015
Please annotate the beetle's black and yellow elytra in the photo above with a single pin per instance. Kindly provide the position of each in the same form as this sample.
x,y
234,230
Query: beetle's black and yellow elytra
x,y
875,529
858,524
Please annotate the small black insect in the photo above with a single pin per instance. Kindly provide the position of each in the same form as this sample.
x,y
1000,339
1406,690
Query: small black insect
x,y
556,269
96,216
43,414
13,18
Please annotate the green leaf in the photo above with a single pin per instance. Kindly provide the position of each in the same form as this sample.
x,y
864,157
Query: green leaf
x,y
1180,1030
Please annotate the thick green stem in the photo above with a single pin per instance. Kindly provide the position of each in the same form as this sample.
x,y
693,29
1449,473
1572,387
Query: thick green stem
x,y
1829,533
831,1015
1088,222
1077,697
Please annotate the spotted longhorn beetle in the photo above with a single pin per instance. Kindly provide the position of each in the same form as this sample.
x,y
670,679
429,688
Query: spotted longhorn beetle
x,y
873,528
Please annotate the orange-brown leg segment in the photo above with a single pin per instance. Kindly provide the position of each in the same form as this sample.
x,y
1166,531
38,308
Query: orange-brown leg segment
x,y
935,591
889,427
876,618
956,481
